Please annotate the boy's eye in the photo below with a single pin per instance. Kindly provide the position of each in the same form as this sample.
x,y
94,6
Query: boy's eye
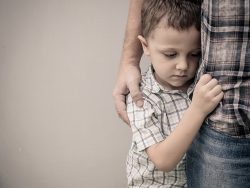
x,y
170,54
196,54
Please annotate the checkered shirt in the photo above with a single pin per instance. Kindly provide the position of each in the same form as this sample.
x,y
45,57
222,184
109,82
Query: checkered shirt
x,y
151,124
226,56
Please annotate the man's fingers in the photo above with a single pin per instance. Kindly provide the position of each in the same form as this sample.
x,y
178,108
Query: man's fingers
x,y
122,113
136,93
138,99
120,107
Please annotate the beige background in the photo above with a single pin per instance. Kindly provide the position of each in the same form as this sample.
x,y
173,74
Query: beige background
x,y
58,63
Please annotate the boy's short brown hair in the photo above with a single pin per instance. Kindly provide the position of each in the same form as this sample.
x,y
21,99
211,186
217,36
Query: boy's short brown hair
x,y
180,14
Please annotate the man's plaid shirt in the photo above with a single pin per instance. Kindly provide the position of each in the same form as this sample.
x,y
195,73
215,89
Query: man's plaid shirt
x,y
226,56
151,124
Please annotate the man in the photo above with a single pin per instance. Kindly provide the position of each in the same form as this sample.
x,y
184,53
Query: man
x,y
220,155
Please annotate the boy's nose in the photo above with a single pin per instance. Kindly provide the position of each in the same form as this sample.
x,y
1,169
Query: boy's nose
x,y
182,64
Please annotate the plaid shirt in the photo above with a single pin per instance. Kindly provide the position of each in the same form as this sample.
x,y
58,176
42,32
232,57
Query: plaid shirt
x,y
151,124
226,56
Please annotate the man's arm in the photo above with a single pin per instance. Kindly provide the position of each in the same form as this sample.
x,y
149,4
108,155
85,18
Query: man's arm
x,y
167,154
129,75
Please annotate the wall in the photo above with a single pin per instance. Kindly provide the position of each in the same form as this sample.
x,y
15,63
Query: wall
x,y
58,63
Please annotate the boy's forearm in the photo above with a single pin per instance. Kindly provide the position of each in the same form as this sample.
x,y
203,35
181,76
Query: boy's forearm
x,y
167,154
132,50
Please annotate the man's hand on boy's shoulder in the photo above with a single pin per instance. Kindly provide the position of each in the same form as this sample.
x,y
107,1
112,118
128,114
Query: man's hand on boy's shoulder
x,y
128,81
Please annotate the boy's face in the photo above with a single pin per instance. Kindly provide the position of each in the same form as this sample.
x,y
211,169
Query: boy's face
x,y
174,55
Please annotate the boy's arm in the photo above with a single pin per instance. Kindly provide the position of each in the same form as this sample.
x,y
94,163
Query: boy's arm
x,y
129,71
167,154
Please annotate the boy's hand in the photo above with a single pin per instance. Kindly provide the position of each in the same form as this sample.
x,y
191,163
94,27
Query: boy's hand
x,y
207,94
128,81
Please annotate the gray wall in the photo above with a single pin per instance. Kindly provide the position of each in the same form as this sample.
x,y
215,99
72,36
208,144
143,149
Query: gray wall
x,y
58,63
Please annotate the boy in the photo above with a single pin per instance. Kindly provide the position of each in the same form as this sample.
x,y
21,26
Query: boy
x,y
168,122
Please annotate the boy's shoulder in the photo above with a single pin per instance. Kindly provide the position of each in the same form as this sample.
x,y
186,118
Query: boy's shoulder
x,y
148,83
150,91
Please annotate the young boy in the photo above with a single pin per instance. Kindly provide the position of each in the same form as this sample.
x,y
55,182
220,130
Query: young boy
x,y
165,126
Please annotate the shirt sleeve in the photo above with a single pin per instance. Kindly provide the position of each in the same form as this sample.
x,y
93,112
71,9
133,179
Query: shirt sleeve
x,y
146,128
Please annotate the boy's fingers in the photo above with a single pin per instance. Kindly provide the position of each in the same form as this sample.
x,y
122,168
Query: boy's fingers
x,y
219,97
216,90
205,78
211,84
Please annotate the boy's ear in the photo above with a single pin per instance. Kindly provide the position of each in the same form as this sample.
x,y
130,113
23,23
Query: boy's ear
x,y
144,45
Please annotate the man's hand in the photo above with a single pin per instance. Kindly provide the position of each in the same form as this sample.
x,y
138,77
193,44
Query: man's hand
x,y
207,94
129,75
128,80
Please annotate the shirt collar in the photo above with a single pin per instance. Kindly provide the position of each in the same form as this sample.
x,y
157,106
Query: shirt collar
x,y
153,86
